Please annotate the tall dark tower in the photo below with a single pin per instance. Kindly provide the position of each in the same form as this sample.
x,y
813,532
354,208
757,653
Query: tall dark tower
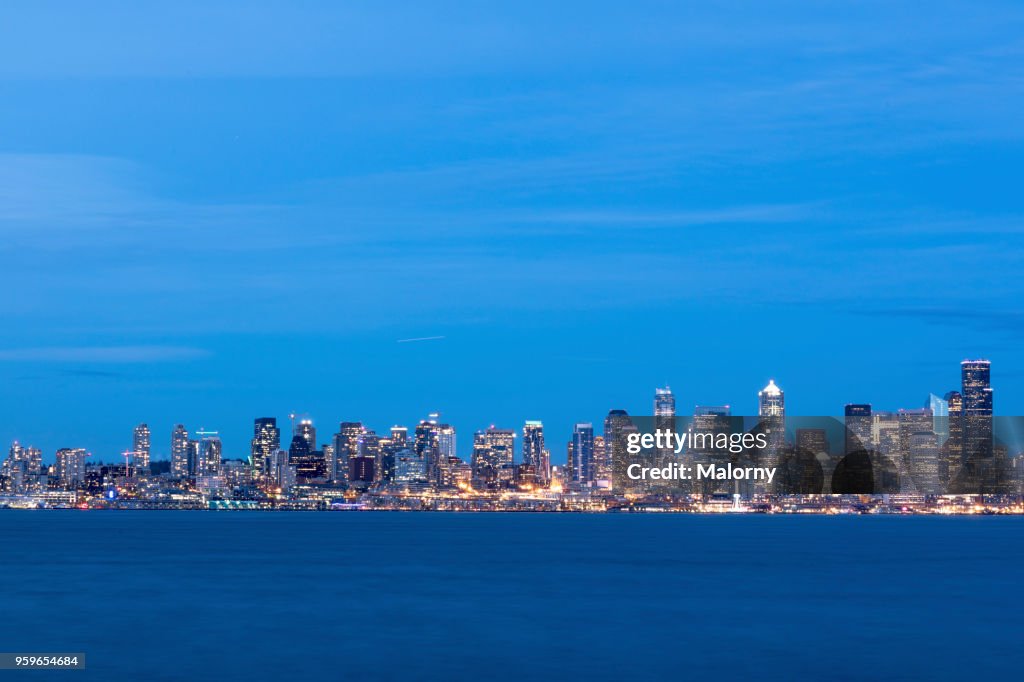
x,y
977,409
858,427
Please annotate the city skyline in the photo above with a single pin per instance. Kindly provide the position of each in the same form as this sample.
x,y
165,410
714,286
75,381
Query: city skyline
x,y
768,401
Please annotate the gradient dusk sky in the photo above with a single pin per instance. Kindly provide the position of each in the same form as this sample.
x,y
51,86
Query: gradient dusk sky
x,y
216,211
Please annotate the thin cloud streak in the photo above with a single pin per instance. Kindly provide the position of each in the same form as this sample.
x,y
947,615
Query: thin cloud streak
x,y
104,354
421,338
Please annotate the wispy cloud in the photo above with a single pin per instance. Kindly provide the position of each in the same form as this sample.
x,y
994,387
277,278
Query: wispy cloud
x,y
421,338
103,354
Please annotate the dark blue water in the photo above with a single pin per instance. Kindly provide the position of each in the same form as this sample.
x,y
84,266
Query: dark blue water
x,y
384,596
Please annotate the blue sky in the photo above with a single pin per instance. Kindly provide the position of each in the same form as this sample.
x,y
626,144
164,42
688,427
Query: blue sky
x,y
211,212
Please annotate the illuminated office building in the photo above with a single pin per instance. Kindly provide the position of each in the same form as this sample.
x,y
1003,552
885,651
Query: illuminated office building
x,y
771,412
410,468
309,463
346,446
601,463
534,454
305,428
664,420
210,451
179,452
923,454
71,467
266,441
493,449
617,427
141,449
976,391
435,443
581,454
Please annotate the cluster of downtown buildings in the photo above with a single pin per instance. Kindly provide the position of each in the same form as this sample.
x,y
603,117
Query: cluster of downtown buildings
x,y
922,458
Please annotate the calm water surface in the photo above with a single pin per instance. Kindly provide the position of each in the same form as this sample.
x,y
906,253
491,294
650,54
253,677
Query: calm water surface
x,y
386,596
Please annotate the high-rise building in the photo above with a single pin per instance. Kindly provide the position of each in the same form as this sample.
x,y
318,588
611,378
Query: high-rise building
x,y
602,463
923,462
390,447
266,441
940,416
435,443
715,421
71,467
361,472
664,420
914,424
857,418
493,449
534,454
400,436
309,463
953,448
581,454
617,427
179,452
977,409
771,401
346,446
409,468
193,457
446,455
304,427
771,412
664,404
370,446
141,449
210,451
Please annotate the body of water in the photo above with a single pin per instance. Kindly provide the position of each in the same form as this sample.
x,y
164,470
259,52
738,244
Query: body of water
x,y
449,596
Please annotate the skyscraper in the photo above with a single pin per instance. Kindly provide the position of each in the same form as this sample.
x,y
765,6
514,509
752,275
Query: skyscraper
x,y
534,454
210,451
71,467
493,449
305,428
346,446
664,404
664,420
581,451
435,443
617,427
977,409
771,401
940,416
446,453
771,410
266,441
953,448
179,452
140,449
857,418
